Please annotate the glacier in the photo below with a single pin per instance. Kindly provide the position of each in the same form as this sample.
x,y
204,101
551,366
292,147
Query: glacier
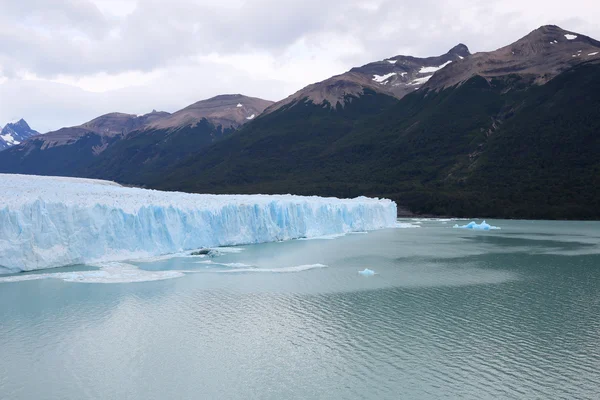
x,y
48,222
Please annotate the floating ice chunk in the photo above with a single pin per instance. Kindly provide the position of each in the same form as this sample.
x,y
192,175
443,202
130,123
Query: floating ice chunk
x,y
217,251
325,237
297,268
48,222
113,272
570,36
404,225
484,226
367,272
382,78
229,265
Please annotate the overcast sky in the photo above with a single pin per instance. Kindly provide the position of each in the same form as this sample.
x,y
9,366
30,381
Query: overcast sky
x,y
63,62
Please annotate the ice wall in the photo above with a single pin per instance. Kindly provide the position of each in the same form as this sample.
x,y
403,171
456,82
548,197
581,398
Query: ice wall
x,y
48,222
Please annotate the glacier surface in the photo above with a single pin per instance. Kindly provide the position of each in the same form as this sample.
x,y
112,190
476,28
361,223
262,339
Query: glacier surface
x,y
48,222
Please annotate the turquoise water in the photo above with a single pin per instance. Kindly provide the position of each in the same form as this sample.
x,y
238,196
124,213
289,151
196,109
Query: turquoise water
x,y
513,313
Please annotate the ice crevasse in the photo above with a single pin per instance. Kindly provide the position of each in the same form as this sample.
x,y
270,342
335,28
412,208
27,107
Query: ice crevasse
x,y
48,222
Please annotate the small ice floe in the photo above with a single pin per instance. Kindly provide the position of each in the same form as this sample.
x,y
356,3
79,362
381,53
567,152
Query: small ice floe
x,y
484,226
407,225
367,272
108,272
570,36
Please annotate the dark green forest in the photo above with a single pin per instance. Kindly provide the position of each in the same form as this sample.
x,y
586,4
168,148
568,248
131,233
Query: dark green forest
x,y
503,148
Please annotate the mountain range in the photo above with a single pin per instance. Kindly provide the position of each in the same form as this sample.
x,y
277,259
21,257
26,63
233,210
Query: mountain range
x,y
511,133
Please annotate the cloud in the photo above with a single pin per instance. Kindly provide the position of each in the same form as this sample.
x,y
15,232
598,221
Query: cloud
x,y
166,54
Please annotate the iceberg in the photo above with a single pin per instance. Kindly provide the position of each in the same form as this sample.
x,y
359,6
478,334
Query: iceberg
x,y
367,272
484,226
48,222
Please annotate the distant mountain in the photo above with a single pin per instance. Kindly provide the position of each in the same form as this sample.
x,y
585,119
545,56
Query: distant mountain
x,y
227,111
486,135
72,151
14,133
396,76
539,57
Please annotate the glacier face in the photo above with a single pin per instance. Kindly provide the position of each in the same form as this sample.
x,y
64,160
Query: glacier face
x,y
48,222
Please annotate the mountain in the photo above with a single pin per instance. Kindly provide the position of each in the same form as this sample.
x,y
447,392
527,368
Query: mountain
x,y
396,76
65,151
74,150
14,133
496,136
509,133
539,56
228,111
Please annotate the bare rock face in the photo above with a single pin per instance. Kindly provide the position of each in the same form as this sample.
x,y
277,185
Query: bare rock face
x,y
540,56
228,111
396,76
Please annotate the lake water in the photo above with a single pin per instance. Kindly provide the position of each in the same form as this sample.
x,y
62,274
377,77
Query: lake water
x,y
450,313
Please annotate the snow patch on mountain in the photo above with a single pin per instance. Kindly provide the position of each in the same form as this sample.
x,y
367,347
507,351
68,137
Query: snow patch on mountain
x,y
428,70
9,139
383,78
570,36
420,81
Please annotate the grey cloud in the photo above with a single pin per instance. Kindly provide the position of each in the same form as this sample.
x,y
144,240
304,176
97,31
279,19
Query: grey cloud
x,y
75,38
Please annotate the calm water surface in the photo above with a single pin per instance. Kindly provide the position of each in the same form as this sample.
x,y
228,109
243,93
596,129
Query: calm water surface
x,y
513,313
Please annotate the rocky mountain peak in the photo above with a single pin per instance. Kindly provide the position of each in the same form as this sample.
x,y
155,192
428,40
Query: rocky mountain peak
x,y
395,76
460,50
226,110
540,56
14,133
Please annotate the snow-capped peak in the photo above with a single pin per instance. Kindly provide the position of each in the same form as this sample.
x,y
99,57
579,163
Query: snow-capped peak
x,y
14,133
